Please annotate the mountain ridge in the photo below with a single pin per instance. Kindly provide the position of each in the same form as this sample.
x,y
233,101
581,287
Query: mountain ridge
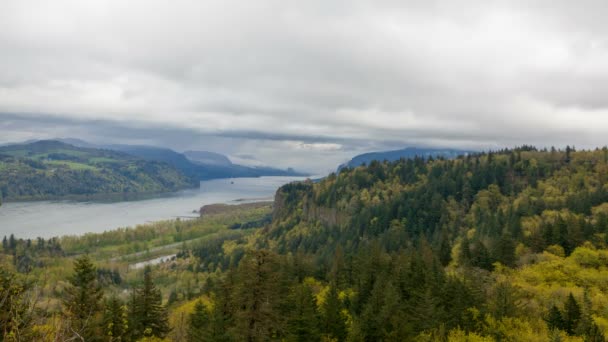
x,y
406,153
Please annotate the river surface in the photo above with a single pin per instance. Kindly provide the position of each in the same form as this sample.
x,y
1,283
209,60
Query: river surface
x,y
55,218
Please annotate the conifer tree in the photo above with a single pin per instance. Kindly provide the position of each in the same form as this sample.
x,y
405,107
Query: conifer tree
x,y
258,297
82,301
445,250
149,317
333,323
555,319
572,314
303,322
115,321
198,323
481,256
505,250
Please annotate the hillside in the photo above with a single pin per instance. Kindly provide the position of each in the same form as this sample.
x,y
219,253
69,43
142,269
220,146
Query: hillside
x,y
406,153
207,158
198,169
52,169
508,246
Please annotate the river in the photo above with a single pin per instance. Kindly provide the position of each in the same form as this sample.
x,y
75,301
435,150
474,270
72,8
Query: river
x,y
55,218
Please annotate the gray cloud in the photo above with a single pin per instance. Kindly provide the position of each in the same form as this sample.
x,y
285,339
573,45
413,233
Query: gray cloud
x,y
294,82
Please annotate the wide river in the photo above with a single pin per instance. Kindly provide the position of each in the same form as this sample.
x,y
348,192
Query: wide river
x,y
55,218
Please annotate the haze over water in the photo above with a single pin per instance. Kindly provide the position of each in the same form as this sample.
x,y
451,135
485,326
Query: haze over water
x,y
55,218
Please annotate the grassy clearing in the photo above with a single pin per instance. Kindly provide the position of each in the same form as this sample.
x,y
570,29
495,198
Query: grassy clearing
x,y
96,160
72,165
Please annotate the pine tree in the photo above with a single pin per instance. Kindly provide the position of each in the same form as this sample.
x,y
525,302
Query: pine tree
x,y
334,325
382,318
505,250
115,320
572,314
503,301
198,324
82,300
149,317
12,242
258,297
303,321
481,256
465,252
445,250
555,319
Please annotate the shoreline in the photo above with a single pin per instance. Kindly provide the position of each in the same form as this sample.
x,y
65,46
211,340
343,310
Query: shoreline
x,y
100,197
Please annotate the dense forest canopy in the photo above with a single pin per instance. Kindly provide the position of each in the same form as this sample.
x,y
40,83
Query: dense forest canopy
x,y
503,246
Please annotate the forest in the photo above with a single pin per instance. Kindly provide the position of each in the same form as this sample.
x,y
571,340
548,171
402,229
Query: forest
x,y
52,169
507,245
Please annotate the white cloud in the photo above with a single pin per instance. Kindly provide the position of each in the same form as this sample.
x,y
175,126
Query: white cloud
x,y
322,79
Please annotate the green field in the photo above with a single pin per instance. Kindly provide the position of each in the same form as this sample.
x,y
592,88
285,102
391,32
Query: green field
x,y
71,165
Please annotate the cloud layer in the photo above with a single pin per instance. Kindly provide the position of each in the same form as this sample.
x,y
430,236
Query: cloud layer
x,y
319,80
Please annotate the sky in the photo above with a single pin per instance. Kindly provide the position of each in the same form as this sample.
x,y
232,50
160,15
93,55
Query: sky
x,y
305,84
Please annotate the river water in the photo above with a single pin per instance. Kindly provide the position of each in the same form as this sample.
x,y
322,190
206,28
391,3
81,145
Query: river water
x,y
55,218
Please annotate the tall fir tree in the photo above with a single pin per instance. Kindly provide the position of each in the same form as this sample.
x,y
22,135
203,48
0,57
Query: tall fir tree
x,y
333,323
258,297
148,315
572,314
198,324
82,301
115,320
554,319
303,322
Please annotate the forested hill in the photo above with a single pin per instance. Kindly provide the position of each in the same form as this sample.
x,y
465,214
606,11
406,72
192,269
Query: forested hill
x,y
503,246
422,245
52,169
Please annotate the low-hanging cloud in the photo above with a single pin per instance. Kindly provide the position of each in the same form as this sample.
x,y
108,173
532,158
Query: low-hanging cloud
x,y
284,80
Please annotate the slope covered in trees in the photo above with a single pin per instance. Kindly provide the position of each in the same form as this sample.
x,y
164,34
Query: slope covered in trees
x,y
49,169
504,246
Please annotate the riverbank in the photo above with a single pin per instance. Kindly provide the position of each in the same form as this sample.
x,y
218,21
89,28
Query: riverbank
x,y
57,218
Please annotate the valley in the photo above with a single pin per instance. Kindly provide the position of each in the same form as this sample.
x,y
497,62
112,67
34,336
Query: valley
x,y
507,245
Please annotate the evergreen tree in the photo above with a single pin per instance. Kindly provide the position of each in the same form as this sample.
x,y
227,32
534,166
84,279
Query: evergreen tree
x,y
115,321
465,252
445,251
12,242
572,314
481,256
555,319
82,301
303,322
504,251
148,315
258,297
503,301
198,324
333,324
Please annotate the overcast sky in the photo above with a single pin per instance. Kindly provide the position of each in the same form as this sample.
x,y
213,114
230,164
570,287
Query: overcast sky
x,y
308,83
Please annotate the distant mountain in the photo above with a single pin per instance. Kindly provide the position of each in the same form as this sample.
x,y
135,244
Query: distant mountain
x,y
196,165
51,169
207,158
77,142
198,169
406,153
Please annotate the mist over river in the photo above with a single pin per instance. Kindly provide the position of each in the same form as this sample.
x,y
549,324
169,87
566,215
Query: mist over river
x,y
55,218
